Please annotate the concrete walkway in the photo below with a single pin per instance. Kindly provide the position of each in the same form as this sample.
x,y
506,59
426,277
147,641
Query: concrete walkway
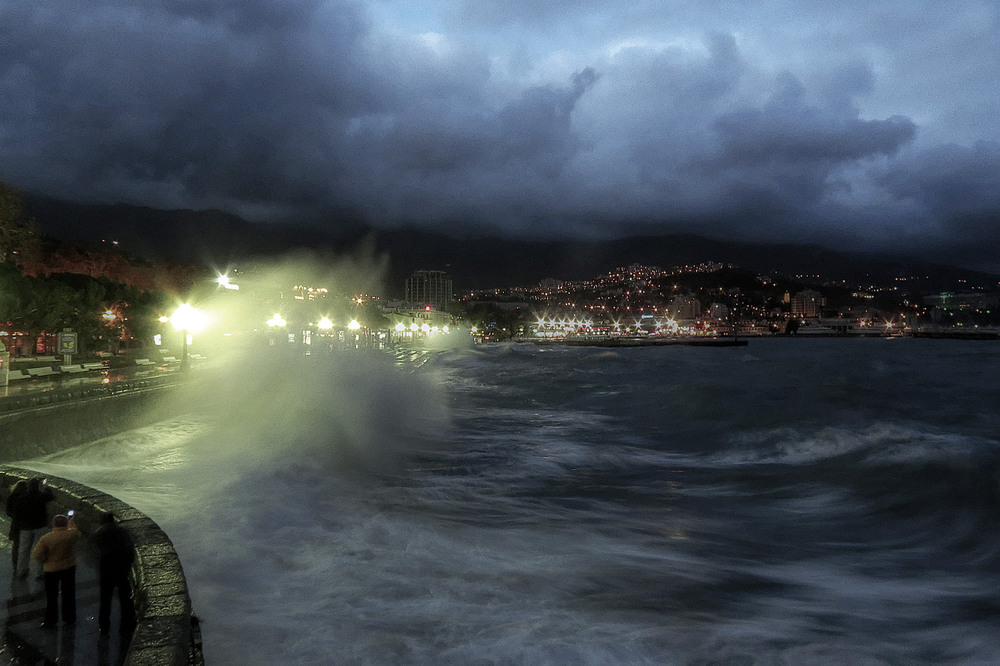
x,y
25,642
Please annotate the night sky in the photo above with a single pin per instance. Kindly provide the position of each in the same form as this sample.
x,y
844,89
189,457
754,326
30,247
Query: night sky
x,y
852,124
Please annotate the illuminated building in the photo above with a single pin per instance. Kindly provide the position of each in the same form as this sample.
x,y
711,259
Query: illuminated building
x,y
807,303
429,288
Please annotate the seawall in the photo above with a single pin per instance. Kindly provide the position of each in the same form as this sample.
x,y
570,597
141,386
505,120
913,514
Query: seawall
x,y
39,423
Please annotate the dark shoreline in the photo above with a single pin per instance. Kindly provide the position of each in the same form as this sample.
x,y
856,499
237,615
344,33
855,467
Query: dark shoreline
x,y
641,342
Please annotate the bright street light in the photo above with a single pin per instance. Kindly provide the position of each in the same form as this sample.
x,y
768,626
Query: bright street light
x,y
224,282
188,319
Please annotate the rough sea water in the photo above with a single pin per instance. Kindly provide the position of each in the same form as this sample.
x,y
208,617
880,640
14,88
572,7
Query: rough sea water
x,y
790,502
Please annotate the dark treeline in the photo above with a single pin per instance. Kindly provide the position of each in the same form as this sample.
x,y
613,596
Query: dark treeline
x,y
107,315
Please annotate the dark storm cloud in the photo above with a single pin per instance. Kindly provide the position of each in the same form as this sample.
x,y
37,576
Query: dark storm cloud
x,y
179,102
958,189
771,120
786,151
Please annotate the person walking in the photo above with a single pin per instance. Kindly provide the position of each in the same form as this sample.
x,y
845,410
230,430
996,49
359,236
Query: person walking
x,y
115,552
29,513
57,553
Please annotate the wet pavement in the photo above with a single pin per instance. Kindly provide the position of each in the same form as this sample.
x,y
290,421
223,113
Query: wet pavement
x,y
24,640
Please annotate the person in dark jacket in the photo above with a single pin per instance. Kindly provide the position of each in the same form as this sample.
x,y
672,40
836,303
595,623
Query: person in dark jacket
x,y
115,553
16,492
29,513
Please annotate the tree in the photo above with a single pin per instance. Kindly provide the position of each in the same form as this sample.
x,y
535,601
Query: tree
x,y
17,233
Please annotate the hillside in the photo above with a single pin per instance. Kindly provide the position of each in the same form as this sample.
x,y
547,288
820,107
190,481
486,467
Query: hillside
x,y
220,239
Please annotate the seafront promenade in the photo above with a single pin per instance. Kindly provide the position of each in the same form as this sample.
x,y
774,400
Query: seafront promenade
x,y
24,640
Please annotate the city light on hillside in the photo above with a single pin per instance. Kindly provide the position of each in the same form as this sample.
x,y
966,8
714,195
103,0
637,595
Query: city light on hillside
x,y
325,324
277,320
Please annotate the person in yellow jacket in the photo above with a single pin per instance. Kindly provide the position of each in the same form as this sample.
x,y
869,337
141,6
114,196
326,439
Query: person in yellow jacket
x,y
57,553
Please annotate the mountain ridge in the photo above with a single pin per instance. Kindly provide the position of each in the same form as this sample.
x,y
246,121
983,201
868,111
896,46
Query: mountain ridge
x,y
218,238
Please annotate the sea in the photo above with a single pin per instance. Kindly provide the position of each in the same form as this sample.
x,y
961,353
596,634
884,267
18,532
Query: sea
x,y
793,501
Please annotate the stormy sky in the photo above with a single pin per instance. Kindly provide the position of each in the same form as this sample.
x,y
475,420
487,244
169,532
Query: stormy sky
x,y
852,124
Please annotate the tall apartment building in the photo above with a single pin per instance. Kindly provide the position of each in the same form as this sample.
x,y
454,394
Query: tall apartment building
x,y
432,288
684,308
807,303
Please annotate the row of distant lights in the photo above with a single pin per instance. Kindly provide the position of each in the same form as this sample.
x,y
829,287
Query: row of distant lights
x,y
424,328
574,324
323,324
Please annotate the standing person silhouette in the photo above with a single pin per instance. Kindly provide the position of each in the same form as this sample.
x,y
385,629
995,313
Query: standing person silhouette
x,y
57,553
17,491
115,553
30,515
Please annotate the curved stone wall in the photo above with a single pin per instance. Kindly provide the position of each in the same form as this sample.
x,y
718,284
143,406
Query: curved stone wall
x,y
167,631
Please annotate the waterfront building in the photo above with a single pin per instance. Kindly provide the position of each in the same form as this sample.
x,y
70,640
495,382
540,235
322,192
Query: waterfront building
x,y
808,303
684,308
432,288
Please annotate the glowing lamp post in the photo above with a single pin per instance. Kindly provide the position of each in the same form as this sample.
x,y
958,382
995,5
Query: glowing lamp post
x,y
274,324
353,326
188,320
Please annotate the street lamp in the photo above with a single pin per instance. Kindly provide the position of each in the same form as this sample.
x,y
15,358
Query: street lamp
x,y
187,319
274,324
224,282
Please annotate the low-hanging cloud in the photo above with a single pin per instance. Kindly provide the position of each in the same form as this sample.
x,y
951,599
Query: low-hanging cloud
x,y
555,120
